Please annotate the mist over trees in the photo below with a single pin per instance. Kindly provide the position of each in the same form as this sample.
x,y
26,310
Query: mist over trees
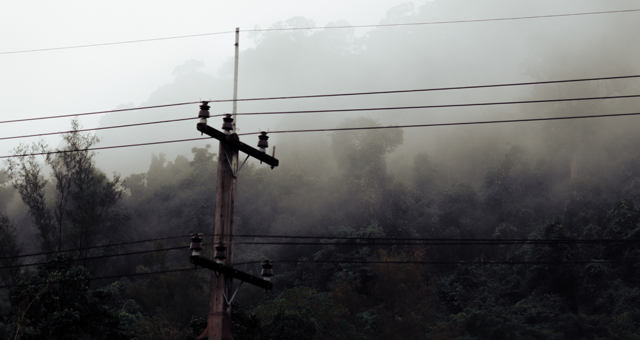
x,y
555,181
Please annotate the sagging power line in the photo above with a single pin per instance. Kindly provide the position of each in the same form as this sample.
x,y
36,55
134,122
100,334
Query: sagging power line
x,y
336,241
97,257
94,247
322,28
333,111
341,129
328,95
448,263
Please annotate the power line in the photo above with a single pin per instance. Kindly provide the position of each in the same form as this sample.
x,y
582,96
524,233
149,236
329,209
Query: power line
x,y
331,95
448,124
364,241
339,129
349,242
337,110
115,43
100,278
455,263
468,87
322,28
108,147
97,257
447,22
101,128
439,106
95,112
344,262
94,247
329,237
445,243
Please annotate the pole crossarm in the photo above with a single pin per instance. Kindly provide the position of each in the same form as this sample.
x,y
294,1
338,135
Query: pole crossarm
x,y
236,274
233,141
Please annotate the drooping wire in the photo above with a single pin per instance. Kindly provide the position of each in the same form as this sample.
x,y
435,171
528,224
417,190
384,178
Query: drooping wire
x,y
95,247
322,28
347,262
448,124
345,241
97,257
334,110
331,95
340,129
99,278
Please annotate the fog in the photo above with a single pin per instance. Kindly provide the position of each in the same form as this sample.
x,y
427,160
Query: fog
x,y
540,220
290,63
326,61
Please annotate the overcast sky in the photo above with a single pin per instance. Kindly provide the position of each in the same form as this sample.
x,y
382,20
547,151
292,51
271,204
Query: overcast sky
x,y
79,80
100,78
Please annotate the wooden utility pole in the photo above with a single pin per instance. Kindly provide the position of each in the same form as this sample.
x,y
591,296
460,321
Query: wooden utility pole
x,y
222,272
219,318
222,275
235,79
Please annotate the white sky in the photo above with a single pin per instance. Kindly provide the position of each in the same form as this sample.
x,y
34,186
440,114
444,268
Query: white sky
x,y
100,78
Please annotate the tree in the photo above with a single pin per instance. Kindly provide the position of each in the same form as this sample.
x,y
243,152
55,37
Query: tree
x,y
9,248
58,304
361,156
83,209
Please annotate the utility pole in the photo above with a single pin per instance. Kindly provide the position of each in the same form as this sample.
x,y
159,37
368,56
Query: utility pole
x,y
235,79
222,272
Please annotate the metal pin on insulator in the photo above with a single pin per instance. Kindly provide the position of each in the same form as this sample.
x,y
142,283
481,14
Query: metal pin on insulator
x,y
267,271
220,253
263,143
196,244
227,126
204,112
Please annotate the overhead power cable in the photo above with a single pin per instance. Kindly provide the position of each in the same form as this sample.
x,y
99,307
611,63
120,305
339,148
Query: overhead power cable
x,y
455,263
108,147
433,89
337,241
438,106
100,278
448,124
322,28
418,239
335,110
344,262
95,112
365,242
330,95
447,22
100,128
97,257
338,129
94,247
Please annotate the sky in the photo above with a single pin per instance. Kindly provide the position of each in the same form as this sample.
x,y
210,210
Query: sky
x,y
101,78
68,81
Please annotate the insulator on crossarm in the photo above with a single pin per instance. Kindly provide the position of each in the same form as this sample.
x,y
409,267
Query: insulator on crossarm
x,y
227,126
267,270
263,142
204,112
220,254
196,244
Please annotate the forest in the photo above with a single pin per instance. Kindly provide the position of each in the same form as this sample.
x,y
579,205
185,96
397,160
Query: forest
x,y
497,231
330,287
